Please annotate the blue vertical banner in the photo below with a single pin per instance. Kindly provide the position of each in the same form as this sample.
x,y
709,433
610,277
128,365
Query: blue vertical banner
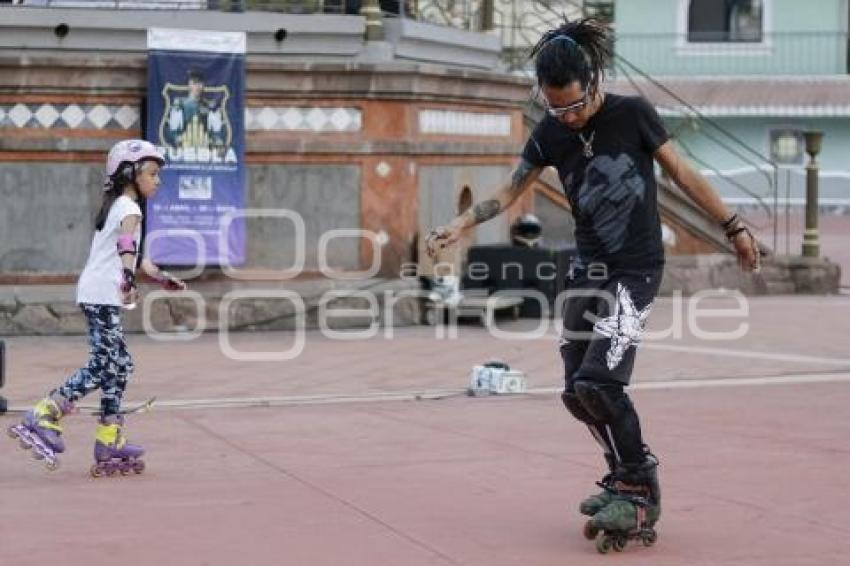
x,y
195,115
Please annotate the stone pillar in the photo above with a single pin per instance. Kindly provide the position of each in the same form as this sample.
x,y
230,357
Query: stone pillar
x,y
811,246
487,10
371,10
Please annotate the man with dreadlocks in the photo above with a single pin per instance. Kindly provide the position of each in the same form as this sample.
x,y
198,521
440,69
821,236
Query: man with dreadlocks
x,y
603,147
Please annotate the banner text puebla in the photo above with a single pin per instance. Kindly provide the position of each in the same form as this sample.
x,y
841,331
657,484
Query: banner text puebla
x,y
195,115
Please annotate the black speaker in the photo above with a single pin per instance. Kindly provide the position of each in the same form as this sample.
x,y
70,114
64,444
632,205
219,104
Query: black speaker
x,y
501,267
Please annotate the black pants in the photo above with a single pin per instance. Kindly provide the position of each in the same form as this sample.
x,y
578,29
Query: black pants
x,y
604,317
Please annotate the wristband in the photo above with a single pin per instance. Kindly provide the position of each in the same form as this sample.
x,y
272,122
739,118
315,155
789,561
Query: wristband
x,y
128,282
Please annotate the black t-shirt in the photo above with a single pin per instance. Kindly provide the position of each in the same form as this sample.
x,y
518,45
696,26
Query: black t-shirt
x,y
612,194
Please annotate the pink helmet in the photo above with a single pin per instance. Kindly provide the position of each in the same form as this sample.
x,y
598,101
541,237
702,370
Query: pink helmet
x,y
131,151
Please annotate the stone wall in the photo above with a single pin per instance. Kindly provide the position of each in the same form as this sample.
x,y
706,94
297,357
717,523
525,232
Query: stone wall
x,y
325,196
778,275
359,169
50,309
47,214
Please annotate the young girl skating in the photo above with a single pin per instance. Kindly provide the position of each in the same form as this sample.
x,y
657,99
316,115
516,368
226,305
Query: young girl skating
x,y
107,283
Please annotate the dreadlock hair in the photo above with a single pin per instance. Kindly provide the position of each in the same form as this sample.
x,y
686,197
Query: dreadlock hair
x,y
574,51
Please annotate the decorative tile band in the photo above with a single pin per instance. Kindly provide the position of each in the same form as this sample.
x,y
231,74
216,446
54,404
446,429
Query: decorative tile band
x,y
309,119
105,117
76,116
452,123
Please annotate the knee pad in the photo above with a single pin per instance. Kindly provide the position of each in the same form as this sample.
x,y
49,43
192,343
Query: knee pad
x,y
604,403
576,409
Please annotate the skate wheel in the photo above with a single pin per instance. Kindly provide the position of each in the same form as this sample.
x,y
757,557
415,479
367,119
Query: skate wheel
x,y
589,531
51,465
604,544
619,544
37,455
124,468
138,466
12,432
649,538
24,444
96,471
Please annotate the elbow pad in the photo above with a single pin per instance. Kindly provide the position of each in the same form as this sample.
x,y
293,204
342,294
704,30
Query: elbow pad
x,y
126,244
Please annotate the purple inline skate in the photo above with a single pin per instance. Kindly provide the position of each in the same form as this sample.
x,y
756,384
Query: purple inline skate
x,y
40,431
112,452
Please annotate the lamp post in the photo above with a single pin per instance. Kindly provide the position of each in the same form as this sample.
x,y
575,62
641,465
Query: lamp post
x,y
811,246
3,404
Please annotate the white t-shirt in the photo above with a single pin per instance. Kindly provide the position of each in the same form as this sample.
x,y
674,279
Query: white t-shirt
x,y
100,280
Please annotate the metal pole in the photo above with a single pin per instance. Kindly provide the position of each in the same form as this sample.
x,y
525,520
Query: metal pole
x,y
3,403
788,212
811,246
775,206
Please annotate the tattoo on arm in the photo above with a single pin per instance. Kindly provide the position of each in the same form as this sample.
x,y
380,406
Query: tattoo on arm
x,y
521,174
486,210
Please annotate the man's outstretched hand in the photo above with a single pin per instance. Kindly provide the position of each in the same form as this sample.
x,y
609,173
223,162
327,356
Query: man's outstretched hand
x,y
747,250
441,238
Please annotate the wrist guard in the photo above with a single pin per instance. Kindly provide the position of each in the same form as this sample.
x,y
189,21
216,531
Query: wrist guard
x,y
128,280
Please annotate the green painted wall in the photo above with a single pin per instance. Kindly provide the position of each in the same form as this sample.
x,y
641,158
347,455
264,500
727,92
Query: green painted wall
x,y
754,132
798,40
646,16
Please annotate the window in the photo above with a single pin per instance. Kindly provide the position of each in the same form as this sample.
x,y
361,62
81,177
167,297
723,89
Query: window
x,y
713,21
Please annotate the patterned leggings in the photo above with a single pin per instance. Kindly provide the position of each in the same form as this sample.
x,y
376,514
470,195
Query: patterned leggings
x,y
109,364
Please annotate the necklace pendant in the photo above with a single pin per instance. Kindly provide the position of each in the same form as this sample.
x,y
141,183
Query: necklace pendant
x,y
587,150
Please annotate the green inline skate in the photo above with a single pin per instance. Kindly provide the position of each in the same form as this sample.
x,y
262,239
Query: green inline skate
x,y
633,510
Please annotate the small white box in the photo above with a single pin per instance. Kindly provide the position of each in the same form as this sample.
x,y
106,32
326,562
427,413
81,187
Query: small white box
x,y
495,380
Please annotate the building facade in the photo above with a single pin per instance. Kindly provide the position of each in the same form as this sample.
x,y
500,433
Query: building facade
x,y
384,137
738,83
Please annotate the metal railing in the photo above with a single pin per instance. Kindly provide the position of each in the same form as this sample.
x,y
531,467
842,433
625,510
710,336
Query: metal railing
x,y
763,215
518,23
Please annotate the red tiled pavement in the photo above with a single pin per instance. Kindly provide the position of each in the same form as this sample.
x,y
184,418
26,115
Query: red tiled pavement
x,y
751,474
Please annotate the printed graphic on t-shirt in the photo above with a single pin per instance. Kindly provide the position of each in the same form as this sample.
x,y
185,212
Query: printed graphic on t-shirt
x,y
609,192
613,194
